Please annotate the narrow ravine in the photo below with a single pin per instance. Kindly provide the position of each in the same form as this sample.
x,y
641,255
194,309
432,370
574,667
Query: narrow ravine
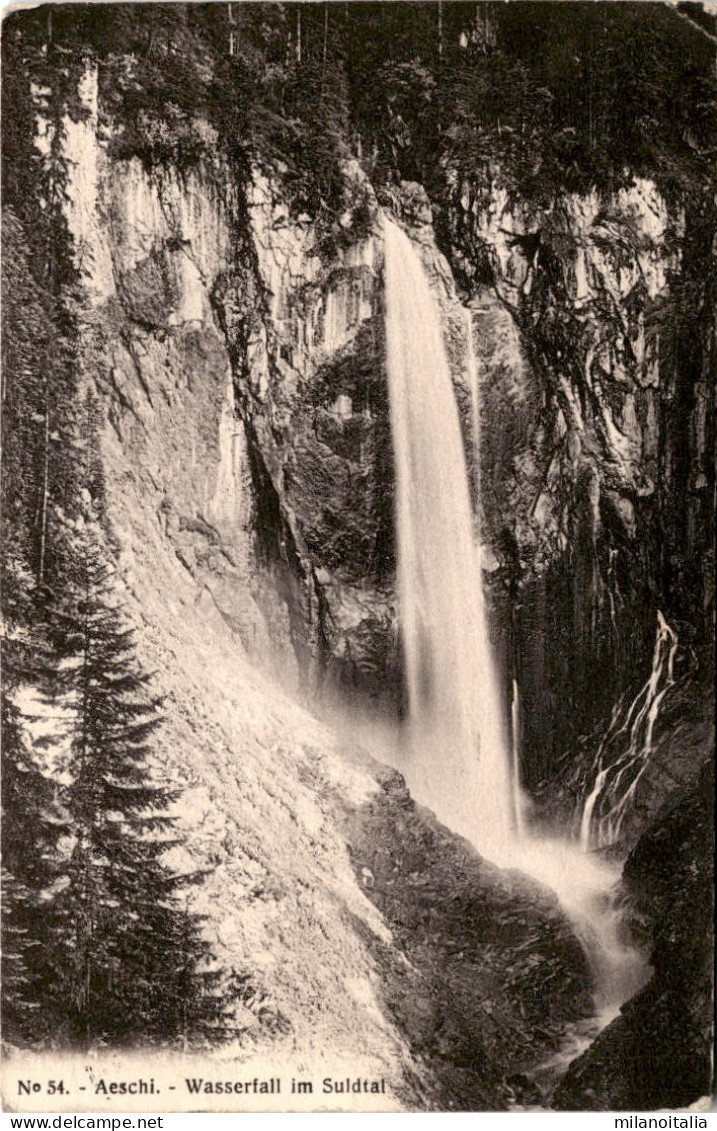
x,y
457,750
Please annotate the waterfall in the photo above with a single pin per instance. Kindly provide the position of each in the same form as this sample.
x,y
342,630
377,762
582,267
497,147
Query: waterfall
x,y
616,776
458,755
517,793
459,760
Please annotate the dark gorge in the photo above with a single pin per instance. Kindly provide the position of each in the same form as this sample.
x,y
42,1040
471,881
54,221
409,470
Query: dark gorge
x,y
358,545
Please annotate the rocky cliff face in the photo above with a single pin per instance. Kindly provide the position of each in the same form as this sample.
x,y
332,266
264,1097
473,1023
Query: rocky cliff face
x,y
282,513
665,1032
586,415
586,399
236,344
239,353
248,476
308,367
595,448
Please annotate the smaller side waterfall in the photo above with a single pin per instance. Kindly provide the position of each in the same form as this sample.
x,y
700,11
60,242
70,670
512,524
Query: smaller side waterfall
x,y
617,775
516,788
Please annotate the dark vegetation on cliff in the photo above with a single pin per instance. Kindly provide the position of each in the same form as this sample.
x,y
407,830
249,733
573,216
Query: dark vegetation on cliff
x,y
550,98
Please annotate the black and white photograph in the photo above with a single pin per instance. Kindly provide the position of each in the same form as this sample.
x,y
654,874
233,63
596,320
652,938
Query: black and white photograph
x,y
358,501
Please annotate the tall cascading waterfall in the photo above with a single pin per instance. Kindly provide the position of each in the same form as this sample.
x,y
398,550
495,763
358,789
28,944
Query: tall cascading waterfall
x,y
455,715
457,753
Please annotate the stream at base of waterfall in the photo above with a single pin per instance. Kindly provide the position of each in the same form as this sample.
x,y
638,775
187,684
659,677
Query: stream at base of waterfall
x,y
459,754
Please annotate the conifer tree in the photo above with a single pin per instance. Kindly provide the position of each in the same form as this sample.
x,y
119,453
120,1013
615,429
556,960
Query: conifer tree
x,y
32,828
120,958
38,422
96,943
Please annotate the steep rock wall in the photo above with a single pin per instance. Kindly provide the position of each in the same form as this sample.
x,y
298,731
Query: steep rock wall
x,y
151,247
308,377
182,343
577,487
582,423
597,459
309,363
665,1033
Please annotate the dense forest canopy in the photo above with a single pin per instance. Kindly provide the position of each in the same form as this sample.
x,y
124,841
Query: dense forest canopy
x,y
542,95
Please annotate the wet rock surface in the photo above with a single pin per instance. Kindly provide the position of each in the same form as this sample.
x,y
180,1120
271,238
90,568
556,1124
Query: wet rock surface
x,y
657,1053
484,971
682,744
249,468
594,363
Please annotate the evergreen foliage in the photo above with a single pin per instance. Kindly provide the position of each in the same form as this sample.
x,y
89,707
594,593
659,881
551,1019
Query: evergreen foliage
x,y
99,943
98,946
119,957
38,425
546,96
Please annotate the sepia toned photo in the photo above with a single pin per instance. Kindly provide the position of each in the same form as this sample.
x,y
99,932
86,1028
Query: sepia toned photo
x,y
358,497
